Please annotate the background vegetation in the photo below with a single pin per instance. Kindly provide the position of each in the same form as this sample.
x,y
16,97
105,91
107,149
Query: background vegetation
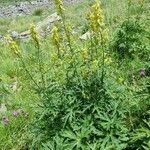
x,y
62,93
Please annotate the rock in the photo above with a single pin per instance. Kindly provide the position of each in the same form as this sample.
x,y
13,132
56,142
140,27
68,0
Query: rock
x,y
3,109
41,26
14,86
25,35
34,2
47,21
44,26
85,36
14,35
27,7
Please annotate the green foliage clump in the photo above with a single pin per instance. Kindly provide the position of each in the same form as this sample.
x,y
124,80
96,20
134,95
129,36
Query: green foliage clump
x,y
38,12
86,99
131,38
129,41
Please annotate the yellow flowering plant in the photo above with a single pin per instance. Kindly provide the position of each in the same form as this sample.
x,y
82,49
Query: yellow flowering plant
x,y
13,45
98,38
80,87
56,39
95,17
35,36
59,6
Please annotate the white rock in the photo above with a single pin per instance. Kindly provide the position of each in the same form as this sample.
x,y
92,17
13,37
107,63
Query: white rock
x,y
14,34
3,109
47,22
14,86
34,2
85,36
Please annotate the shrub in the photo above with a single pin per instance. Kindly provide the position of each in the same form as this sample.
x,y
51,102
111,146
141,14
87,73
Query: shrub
x,y
129,41
38,12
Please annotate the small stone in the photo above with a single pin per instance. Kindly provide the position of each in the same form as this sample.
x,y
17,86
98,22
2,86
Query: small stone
x,y
3,109
14,86
34,2
85,36
14,34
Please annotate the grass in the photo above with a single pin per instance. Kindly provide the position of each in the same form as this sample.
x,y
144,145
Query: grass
x,y
123,82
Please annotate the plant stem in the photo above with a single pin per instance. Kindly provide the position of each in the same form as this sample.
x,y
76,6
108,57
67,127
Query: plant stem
x,y
25,68
40,67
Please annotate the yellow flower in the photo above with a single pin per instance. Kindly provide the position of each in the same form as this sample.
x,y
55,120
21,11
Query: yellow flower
x,y
34,35
105,35
59,6
84,54
13,45
95,17
96,21
55,36
84,71
56,39
95,65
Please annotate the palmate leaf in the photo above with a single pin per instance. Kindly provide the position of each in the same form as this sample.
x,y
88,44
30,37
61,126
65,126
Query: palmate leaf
x,y
143,132
147,147
70,135
141,136
110,125
93,146
77,137
74,145
56,144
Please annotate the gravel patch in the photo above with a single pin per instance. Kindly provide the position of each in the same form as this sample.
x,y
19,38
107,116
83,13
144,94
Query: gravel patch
x,y
26,7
